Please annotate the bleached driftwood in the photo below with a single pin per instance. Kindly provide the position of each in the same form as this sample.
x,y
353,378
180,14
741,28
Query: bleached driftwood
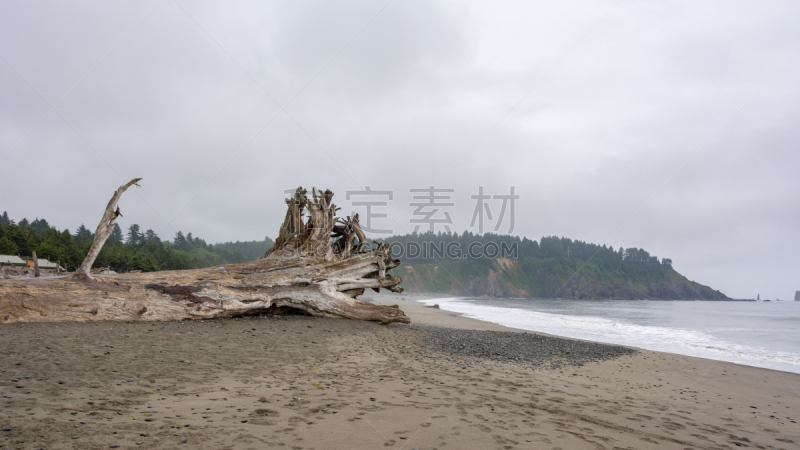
x,y
303,272
104,229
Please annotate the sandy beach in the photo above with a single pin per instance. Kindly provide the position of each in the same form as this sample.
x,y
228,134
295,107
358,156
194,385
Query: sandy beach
x,y
308,383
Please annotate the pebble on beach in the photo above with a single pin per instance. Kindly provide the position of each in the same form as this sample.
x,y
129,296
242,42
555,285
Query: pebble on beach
x,y
523,348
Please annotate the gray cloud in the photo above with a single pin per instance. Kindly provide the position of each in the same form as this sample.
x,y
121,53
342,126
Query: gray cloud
x,y
665,126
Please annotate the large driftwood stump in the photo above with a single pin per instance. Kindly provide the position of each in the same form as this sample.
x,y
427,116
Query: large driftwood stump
x,y
317,267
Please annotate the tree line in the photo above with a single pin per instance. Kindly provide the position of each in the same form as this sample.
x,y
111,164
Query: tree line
x,y
137,249
550,257
134,249
554,248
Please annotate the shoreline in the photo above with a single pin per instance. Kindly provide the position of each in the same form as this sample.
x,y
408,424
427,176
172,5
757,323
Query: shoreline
x,y
431,296
318,383
412,303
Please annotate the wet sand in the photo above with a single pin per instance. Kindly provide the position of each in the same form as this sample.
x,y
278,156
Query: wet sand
x,y
309,383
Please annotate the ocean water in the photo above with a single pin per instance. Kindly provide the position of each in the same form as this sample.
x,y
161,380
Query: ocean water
x,y
761,334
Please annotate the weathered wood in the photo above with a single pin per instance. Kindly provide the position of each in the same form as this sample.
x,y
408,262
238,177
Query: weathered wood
x,y
104,229
304,272
297,238
271,285
35,265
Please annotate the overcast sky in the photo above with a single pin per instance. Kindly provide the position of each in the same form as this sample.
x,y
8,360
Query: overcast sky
x,y
672,127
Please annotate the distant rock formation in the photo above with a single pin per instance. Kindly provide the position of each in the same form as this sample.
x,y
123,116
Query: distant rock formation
x,y
505,280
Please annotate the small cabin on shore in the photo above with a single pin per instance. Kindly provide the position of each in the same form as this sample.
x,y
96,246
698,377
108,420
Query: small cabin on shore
x,y
12,261
43,263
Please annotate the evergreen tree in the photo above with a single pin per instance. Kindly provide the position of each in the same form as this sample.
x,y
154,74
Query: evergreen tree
x,y
115,236
134,235
20,238
83,235
179,241
40,225
7,246
150,236
4,220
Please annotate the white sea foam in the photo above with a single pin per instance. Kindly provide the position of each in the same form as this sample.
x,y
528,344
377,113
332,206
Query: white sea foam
x,y
665,339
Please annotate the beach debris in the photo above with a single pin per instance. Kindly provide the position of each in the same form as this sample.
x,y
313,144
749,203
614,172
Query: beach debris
x,y
319,266
104,229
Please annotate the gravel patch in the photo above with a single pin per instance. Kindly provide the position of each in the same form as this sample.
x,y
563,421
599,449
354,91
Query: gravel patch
x,y
523,348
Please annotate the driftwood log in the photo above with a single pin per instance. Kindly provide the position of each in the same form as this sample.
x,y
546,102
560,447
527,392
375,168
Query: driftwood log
x,y
36,272
104,229
317,266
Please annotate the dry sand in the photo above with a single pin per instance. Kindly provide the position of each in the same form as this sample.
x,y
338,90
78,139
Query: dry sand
x,y
306,383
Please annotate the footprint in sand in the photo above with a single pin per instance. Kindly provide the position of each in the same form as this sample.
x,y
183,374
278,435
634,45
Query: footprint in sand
x,y
265,413
483,428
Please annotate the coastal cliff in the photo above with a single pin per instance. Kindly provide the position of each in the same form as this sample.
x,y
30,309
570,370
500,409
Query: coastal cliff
x,y
513,278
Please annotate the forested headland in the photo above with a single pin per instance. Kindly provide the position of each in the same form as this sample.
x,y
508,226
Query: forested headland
x,y
553,267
